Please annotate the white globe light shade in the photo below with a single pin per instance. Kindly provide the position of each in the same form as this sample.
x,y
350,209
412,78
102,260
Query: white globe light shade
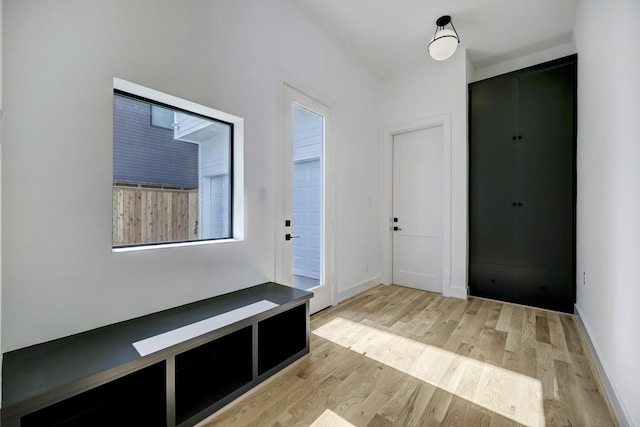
x,y
443,44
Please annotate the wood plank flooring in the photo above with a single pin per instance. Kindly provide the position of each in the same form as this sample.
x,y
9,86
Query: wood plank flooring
x,y
394,356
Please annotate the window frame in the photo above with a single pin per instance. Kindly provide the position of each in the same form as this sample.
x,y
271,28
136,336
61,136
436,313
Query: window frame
x,y
236,159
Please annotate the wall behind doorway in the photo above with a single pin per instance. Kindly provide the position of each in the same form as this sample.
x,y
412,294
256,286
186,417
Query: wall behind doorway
x,y
430,90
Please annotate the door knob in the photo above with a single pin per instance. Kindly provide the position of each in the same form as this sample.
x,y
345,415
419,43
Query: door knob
x,y
289,237
397,228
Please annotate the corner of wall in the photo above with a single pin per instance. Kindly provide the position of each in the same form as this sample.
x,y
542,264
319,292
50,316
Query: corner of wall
x,y
457,292
608,204
470,69
611,395
534,58
356,289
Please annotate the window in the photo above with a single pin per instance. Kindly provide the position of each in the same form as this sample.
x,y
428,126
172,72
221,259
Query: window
x,y
162,117
174,169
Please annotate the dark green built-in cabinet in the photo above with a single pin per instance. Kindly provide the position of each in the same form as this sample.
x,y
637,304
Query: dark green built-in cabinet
x,y
522,186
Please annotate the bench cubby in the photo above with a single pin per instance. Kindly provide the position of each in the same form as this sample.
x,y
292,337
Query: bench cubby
x,y
208,373
279,337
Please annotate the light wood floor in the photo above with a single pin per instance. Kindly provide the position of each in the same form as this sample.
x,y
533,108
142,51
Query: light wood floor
x,y
394,356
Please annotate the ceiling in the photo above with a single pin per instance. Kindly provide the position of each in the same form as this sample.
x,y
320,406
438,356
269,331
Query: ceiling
x,y
391,35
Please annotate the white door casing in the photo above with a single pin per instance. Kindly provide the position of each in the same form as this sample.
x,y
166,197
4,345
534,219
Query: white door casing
x,y
417,209
324,293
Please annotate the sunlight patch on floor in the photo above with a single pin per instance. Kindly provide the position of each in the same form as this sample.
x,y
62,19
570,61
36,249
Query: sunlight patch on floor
x,y
331,419
510,394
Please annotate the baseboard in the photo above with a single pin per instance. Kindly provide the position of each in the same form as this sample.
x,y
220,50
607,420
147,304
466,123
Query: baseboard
x,y
457,292
356,289
616,405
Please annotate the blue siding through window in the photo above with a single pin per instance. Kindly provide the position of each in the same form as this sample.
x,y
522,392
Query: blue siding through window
x,y
144,153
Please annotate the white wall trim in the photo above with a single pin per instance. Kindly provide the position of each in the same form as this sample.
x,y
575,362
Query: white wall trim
x,y
238,145
389,132
457,292
287,85
358,288
618,408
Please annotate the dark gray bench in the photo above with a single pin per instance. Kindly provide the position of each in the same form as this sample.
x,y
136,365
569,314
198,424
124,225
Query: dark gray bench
x,y
172,368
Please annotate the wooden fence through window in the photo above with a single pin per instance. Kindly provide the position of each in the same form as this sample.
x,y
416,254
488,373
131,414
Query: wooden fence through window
x,y
150,215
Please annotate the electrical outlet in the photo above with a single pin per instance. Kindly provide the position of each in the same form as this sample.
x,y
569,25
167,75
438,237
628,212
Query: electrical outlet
x,y
366,268
584,278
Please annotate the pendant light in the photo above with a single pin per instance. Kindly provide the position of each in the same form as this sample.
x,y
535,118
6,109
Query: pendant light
x,y
445,41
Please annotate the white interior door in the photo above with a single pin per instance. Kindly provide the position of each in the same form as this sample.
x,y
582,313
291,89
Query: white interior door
x,y
417,209
306,220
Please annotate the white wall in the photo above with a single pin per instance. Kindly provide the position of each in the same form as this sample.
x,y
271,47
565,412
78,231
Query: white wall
x,y
534,58
59,273
433,89
608,204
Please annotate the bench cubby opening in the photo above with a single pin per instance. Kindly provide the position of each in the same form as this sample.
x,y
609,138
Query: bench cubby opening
x,y
208,373
280,337
135,399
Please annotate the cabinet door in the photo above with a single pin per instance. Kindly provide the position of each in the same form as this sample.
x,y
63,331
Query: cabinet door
x,y
491,211
545,219
545,227
550,289
493,113
493,281
521,191
546,104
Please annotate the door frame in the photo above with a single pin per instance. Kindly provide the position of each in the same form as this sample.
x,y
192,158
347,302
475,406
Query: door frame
x,y
283,176
389,132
